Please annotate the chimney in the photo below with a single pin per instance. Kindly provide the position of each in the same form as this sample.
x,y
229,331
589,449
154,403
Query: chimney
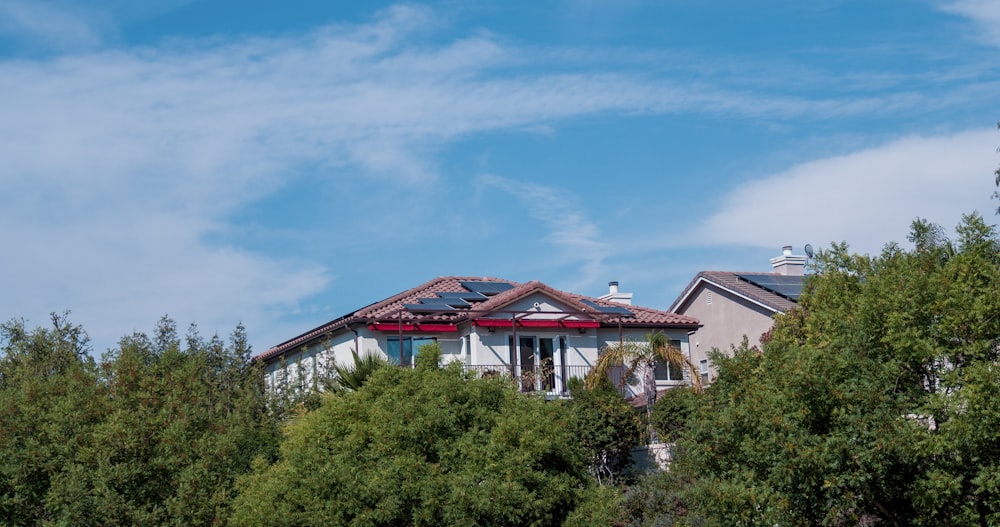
x,y
614,295
789,264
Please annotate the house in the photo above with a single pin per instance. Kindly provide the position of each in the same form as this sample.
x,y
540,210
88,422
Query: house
x,y
731,305
540,336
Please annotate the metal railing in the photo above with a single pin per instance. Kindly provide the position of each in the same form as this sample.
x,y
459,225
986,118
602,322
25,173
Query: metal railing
x,y
548,378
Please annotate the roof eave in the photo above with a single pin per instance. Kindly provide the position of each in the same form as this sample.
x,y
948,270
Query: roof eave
x,y
706,280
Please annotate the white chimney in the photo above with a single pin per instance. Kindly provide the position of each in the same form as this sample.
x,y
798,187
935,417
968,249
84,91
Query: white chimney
x,y
614,295
789,264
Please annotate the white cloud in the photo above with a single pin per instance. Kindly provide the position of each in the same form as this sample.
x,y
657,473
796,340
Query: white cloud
x,y
120,273
866,198
50,25
74,25
984,13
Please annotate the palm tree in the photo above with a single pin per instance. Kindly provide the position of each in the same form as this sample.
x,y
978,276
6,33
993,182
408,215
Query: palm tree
x,y
642,357
351,378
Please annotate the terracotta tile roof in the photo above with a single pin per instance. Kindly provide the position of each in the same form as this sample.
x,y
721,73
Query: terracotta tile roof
x,y
444,284
731,281
391,310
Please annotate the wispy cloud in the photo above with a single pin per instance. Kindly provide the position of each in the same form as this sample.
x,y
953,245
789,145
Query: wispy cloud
x,y
576,239
74,25
51,25
866,198
985,14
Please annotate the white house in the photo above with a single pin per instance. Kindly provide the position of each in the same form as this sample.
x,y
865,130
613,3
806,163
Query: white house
x,y
538,335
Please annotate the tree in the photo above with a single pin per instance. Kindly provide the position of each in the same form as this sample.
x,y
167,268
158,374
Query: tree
x,y
423,446
153,435
658,499
50,400
642,358
606,427
183,424
672,411
875,403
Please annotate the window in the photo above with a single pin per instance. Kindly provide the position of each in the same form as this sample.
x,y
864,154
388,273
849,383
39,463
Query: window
x,y
410,344
703,367
669,372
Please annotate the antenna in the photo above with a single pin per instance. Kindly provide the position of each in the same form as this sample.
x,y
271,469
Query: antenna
x,y
809,251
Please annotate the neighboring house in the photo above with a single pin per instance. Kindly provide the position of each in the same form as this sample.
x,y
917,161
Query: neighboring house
x,y
538,335
731,305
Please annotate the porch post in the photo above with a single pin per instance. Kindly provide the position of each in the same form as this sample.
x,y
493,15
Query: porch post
x,y
400,315
515,351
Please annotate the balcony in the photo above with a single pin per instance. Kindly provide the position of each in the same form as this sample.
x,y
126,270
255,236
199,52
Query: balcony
x,y
548,379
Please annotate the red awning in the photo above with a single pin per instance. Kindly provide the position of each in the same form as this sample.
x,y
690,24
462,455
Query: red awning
x,y
536,323
421,328
581,323
528,323
491,323
437,328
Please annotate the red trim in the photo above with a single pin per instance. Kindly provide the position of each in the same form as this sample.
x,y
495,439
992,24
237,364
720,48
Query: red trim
x,y
391,327
437,328
525,323
529,323
423,328
491,323
581,323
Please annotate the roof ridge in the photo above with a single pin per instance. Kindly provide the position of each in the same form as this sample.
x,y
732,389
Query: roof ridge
x,y
398,297
742,272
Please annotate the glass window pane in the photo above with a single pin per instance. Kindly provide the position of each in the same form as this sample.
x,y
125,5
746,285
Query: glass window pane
x,y
392,350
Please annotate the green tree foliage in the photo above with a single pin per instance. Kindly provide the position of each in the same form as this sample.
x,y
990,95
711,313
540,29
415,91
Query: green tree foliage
x,y
153,435
659,499
50,398
424,446
606,427
672,411
641,358
875,403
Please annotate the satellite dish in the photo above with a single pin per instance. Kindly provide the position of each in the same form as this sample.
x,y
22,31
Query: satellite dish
x,y
809,250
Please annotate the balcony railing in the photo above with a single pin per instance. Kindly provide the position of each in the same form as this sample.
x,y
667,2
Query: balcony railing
x,y
547,378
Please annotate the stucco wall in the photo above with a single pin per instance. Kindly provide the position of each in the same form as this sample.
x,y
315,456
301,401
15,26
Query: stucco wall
x,y
726,319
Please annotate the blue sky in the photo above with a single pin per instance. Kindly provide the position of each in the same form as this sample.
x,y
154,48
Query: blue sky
x,y
283,164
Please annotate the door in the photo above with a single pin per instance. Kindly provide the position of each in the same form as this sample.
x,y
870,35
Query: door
x,y
546,365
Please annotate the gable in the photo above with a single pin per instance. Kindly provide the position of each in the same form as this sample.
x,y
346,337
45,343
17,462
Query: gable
x,y
539,306
738,285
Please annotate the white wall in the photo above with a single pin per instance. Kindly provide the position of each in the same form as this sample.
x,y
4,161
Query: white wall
x,y
474,345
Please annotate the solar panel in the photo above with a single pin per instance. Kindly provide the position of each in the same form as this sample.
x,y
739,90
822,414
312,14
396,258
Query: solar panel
x,y
427,308
499,316
789,287
487,288
614,310
453,302
468,297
